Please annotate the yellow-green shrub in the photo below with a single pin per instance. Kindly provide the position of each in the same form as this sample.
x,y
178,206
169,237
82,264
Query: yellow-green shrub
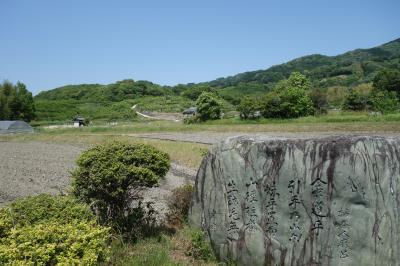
x,y
46,230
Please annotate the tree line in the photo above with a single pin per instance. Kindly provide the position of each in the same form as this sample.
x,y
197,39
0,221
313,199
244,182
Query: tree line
x,y
294,97
16,102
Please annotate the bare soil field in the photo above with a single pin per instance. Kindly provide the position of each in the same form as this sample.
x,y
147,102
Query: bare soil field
x,y
34,168
31,168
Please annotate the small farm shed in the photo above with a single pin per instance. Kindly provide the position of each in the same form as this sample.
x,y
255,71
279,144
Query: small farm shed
x,y
190,111
79,121
8,127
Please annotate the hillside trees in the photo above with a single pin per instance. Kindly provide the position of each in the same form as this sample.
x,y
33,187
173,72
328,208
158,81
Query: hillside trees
x,y
16,102
358,98
382,95
388,80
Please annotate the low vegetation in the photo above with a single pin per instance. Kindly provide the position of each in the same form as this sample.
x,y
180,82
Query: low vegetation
x,y
63,230
110,177
47,230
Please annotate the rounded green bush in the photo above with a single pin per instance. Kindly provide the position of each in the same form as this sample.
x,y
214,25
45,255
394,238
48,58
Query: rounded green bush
x,y
209,106
110,176
47,230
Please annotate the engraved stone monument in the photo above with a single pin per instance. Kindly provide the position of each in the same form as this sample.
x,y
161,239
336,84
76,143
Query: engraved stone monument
x,y
292,201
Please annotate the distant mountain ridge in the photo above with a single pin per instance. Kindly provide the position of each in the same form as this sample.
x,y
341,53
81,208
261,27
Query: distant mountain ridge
x,y
348,69
111,101
355,66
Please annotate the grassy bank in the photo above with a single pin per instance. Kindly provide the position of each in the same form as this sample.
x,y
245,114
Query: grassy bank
x,y
168,250
334,122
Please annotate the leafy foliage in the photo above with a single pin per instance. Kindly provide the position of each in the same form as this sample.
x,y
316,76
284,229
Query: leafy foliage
x,y
16,102
359,98
46,230
115,92
290,99
385,101
208,106
200,248
248,108
320,101
110,177
388,80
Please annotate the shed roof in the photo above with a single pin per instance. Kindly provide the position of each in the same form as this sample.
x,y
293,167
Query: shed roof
x,y
190,110
14,126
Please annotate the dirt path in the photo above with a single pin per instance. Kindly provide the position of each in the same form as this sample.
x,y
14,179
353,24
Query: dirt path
x,y
214,137
158,116
31,168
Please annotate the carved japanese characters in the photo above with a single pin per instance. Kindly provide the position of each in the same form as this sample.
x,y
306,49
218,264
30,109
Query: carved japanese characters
x,y
321,201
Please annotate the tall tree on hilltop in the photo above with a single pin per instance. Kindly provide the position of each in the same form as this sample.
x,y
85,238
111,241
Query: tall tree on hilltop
x,y
16,102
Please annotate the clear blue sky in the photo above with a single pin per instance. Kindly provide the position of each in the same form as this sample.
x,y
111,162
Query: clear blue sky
x,y
48,43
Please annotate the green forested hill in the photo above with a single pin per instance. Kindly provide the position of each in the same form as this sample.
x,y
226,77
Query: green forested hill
x,y
106,101
348,69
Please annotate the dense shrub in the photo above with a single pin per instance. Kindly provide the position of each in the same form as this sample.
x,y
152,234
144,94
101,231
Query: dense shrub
x,y
199,247
297,80
110,176
179,204
296,103
249,108
192,120
336,96
289,99
291,103
209,106
385,101
359,98
193,93
388,80
320,101
46,230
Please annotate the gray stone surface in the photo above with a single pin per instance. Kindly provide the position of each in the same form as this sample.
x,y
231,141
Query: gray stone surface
x,y
298,201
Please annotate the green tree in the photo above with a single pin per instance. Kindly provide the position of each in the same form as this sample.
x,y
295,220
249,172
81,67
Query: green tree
x,y
320,101
296,102
388,79
110,177
16,102
194,92
248,107
385,101
208,106
289,99
299,81
272,105
359,98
